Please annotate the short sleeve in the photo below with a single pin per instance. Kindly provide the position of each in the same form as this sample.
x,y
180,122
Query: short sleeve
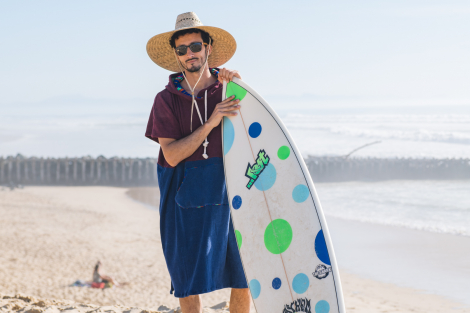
x,y
162,121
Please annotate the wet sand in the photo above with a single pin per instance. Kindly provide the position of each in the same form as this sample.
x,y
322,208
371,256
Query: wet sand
x,y
434,263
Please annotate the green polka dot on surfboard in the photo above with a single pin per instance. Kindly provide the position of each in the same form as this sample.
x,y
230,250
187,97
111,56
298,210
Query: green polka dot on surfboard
x,y
235,90
278,236
238,235
283,152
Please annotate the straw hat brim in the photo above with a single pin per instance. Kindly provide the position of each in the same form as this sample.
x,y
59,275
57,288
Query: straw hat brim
x,y
223,48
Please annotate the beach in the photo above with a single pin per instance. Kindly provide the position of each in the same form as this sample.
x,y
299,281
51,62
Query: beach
x,y
378,118
50,237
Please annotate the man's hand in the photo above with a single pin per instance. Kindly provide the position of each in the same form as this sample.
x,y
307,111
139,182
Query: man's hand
x,y
229,105
224,108
227,75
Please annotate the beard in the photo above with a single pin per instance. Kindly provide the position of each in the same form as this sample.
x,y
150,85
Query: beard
x,y
194,68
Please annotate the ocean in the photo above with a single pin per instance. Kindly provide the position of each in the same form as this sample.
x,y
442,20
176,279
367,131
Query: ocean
x,y
108,131
415,136
441,206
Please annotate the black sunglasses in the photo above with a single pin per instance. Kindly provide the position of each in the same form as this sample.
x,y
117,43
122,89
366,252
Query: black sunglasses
x,y
195,47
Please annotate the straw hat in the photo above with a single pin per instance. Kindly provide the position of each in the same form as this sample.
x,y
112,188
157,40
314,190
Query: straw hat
x,y
160,51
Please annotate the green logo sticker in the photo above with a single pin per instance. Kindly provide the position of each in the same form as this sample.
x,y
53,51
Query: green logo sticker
x,y
253,172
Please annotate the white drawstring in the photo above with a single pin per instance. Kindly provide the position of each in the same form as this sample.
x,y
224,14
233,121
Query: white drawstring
x,y
206,143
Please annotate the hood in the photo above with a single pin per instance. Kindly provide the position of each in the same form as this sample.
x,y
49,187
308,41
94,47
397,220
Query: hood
x,y
211,90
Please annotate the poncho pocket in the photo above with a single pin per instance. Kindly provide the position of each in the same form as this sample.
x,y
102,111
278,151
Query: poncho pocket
x,y
203,185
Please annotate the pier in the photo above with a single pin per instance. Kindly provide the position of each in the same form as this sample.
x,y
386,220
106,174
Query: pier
x,y
126,172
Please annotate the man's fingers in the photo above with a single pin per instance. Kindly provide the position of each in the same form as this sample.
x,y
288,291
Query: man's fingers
x,y
231,108
228,75
222,74
230,113
228,110
231,98
229,103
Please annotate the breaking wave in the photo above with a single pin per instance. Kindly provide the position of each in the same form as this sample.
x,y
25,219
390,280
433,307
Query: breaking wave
x,y
448,129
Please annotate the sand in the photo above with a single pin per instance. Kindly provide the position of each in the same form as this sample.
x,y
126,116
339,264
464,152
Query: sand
x,y
52,236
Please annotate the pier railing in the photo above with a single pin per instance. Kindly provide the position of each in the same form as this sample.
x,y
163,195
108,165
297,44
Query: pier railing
x,y
78,171
116,171
339,169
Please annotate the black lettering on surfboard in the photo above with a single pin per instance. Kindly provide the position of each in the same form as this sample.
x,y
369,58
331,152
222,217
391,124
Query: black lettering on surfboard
x,y
299,305
321,271
253,171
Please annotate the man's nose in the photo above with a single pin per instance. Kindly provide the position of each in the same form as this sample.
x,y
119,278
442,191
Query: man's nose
x,y
190,54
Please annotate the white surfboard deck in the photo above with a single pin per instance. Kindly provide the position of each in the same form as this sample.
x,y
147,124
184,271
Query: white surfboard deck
x,y
281,231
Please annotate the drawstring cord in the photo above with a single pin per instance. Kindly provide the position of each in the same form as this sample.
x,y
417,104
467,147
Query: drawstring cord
x,y
206,143
193,102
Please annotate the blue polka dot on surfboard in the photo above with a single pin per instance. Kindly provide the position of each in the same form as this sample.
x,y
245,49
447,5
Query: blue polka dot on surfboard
x,y
229,135
322,306
300,283
255,288
236,202
320,248
255,130
300,193
267,178
277,283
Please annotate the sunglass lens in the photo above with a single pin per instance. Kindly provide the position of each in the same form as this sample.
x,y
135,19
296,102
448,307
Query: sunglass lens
x,y
181,50
195,47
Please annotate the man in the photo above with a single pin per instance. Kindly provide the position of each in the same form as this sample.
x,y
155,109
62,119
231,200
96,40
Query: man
x,y
198,239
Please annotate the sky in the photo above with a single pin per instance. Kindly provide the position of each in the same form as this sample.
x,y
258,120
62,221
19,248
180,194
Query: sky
x,y
345,49
77,58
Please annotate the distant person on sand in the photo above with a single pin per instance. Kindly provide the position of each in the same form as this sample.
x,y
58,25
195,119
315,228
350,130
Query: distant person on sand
x,y
197,235
99,277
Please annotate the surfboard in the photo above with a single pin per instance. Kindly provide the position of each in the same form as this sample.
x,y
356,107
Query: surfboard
x,y
281,232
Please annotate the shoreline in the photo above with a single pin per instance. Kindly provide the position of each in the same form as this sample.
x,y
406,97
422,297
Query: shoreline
x,y
52,236
427,262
